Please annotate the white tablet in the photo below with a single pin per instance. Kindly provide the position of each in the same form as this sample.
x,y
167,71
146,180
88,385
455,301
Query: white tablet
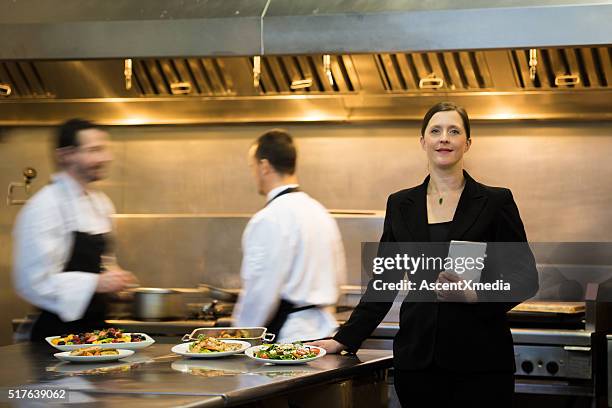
x,y
468,259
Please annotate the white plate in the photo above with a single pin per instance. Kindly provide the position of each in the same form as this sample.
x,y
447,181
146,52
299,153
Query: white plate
x,y
183,349
148,341
250,352
65,356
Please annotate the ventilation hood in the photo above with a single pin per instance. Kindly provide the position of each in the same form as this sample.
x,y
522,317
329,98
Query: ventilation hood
x,y
192,61
85,29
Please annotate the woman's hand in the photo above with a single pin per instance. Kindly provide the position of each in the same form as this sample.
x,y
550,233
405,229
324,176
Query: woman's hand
x,y
330,346
468,296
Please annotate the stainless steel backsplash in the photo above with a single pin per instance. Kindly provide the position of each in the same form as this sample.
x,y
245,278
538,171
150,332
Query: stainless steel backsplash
x,y
558,172
182,251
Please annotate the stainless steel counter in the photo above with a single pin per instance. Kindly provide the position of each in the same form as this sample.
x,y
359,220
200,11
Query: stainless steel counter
x,y
155,376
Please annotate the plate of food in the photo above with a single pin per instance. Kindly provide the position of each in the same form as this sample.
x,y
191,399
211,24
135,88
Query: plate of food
x,y
210,347
105,338
232,334
287,353
254,335
93,354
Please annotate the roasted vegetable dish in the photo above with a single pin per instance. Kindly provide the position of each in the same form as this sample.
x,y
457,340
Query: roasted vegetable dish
x,y
94,351
111,335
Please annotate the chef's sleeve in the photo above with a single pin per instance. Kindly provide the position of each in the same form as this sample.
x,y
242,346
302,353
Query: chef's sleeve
x,y
40,251
266,262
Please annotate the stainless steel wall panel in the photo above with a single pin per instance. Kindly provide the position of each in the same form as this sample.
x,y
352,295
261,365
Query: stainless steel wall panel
x,y
169,251
18,149
555,171
184,250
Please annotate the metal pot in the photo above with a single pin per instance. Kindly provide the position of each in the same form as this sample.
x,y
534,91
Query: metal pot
x,y
157,303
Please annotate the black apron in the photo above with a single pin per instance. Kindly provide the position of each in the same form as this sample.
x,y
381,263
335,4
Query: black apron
x,y
285,308
85,256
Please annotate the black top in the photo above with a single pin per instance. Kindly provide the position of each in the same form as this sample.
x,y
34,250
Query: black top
x,y
454,336
439,232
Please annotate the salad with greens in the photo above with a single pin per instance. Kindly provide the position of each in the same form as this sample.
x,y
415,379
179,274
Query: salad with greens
x,y
288,351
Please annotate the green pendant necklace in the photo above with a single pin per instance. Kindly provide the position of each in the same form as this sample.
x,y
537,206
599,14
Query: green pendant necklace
x,y
441,199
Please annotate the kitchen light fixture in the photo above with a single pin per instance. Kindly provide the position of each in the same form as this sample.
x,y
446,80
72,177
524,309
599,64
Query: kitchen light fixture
x,y
127,72
5,90
431,81
533,62
567,80
327,68
301,83
256,70
180,88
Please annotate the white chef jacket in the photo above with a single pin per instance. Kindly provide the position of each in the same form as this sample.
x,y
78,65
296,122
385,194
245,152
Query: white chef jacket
x,y
43,240
292,250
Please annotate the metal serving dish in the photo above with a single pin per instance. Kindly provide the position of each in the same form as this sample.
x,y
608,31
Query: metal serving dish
x,y
255,335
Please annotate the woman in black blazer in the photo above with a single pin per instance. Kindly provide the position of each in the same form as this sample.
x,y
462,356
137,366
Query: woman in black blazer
x,y
457,349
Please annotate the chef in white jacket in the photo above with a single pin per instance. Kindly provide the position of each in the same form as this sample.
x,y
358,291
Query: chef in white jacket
x,y
293,257
61,237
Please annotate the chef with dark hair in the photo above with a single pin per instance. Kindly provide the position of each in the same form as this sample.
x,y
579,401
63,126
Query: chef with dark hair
x,y
62,236
293,257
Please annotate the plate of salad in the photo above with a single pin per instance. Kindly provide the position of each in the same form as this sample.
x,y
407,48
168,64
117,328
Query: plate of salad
x,y
285,353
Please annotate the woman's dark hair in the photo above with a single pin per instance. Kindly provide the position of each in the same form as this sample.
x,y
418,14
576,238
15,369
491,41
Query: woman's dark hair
x,y
68,131
446,107
277,147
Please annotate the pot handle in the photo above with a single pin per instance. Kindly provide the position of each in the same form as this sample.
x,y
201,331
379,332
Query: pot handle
x,y
186,337
268,337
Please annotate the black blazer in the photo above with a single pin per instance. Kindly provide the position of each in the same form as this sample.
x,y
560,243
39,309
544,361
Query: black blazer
x,y
455,336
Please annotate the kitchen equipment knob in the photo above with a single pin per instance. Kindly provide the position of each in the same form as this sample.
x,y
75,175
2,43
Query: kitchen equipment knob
x,y
29,173
527,366
5,90
552,367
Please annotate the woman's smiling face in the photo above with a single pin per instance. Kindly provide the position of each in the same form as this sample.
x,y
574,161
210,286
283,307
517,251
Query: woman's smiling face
x,y
445,139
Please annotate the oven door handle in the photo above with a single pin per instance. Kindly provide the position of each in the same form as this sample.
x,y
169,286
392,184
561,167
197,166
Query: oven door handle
x,y
576,348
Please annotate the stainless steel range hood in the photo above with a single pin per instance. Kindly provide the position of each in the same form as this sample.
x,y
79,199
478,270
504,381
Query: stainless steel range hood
x,y
193,60
84,29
